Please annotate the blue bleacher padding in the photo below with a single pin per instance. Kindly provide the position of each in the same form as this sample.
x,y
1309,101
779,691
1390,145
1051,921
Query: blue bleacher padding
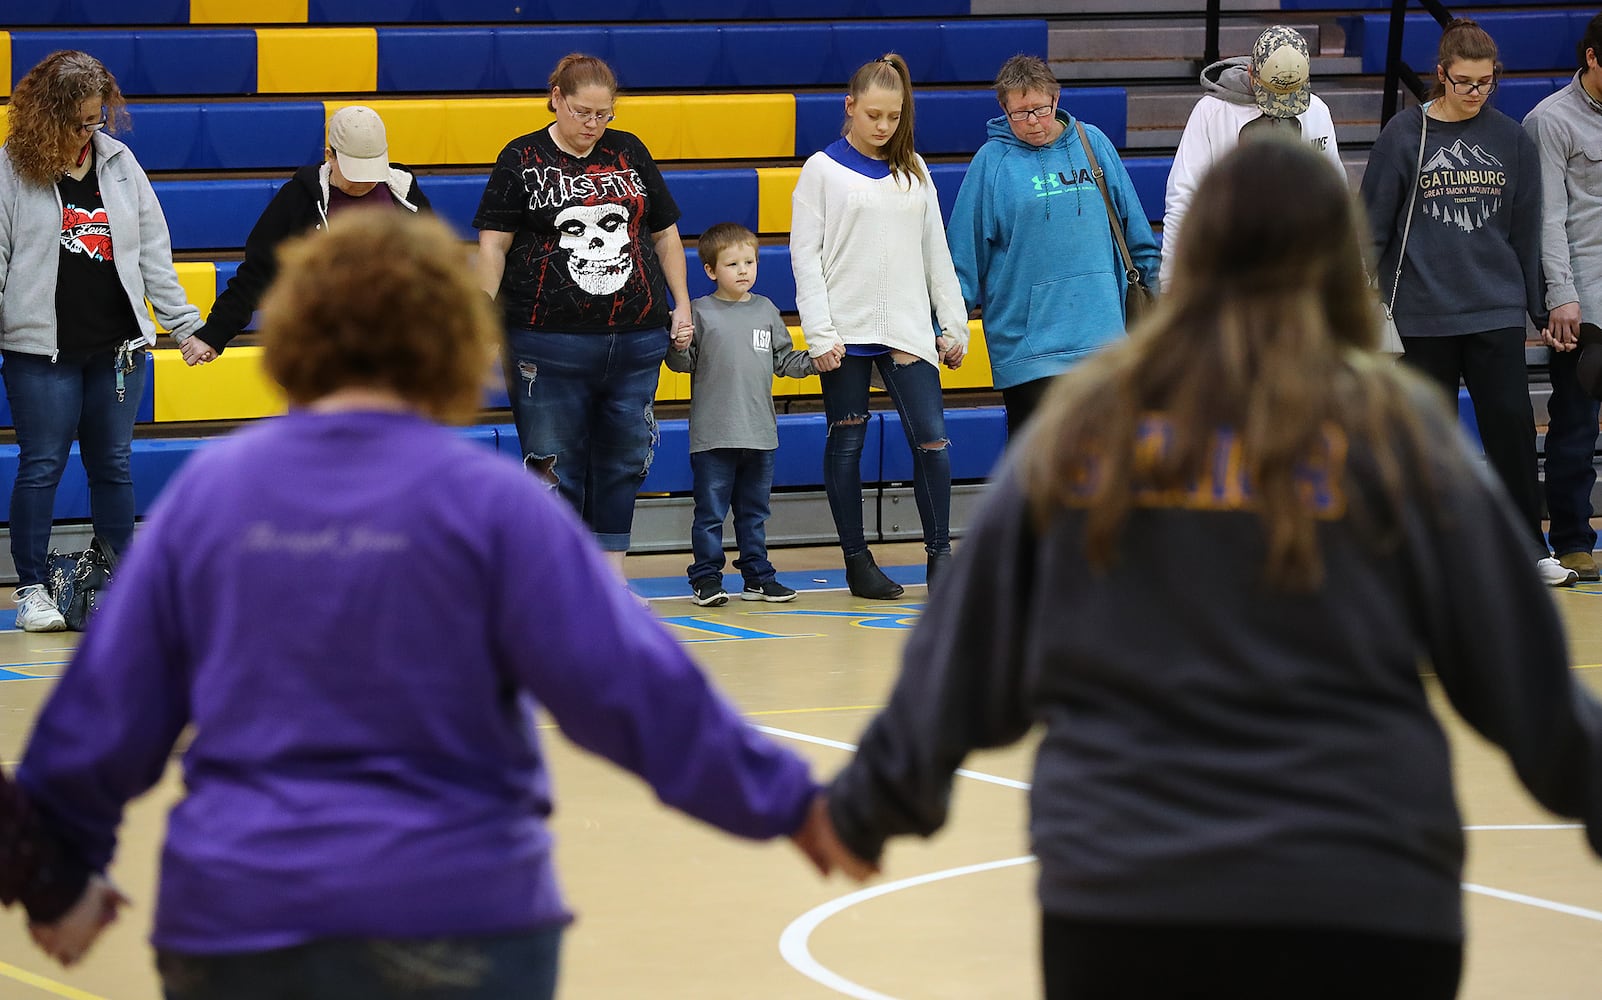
x,y
225,136
1150,177
506,440
368,12
917,43
972,51
685,56
953,121
670,461
1107,108
226,269
435,59
1517,97
164,136
1525,40
115,49
193,61
773,55
707,197
204,215
798,464
524,57
455,199
253,135
775,279
94,12
947,179
978,436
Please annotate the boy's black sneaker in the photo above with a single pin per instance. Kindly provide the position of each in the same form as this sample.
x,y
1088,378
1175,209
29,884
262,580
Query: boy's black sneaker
x,y
773,592
709,592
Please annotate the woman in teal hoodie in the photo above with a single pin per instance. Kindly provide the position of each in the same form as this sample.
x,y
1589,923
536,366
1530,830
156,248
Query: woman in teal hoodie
x,y
1031,240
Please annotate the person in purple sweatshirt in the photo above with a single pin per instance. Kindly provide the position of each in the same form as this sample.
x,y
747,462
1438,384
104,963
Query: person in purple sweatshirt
x,y
357,633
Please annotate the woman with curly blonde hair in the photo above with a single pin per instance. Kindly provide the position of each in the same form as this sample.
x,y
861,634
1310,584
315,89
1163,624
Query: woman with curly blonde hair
x,y
83,245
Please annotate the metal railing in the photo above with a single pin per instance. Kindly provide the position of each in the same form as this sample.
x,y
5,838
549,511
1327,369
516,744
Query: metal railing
x,y
1396,70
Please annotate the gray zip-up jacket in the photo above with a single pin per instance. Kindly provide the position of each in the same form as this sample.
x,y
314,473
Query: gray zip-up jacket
x,y
30,252
1217,750
1567,128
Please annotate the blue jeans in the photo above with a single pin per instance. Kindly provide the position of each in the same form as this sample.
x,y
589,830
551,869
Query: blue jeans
x,y
915,390
52,403
490,967
743,476
1570,450
584,405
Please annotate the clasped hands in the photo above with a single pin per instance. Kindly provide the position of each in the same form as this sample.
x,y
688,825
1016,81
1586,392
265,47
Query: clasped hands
x,y
68,939
817,840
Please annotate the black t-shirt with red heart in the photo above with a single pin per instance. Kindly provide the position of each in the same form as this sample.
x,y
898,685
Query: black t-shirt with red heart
x,y
93,313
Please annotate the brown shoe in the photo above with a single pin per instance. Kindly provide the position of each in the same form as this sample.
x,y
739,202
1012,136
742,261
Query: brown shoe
x,y
1582,564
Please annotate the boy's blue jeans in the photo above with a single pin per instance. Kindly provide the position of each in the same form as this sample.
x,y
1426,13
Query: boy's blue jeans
x,y
489,967
52,403
584,405
743,477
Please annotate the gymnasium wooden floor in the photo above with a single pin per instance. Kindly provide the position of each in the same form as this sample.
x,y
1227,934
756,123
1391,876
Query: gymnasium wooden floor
x,y
669,909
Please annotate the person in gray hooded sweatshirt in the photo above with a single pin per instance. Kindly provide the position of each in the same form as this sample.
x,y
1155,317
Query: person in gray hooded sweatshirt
x,y
1264,93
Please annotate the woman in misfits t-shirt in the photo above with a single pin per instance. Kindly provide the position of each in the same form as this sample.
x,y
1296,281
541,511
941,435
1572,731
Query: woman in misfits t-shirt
x,y
579,244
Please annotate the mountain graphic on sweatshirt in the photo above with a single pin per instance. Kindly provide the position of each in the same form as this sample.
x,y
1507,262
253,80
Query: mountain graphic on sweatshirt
x,y
1462,186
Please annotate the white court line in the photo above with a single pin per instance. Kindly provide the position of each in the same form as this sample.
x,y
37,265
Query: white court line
x,y
1022,786
793,945
793,942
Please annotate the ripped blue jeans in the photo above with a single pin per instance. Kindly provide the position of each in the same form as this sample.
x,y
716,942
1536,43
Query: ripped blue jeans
x,y
915,390
586,423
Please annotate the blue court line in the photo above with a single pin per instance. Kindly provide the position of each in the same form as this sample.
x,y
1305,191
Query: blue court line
x,y
802,580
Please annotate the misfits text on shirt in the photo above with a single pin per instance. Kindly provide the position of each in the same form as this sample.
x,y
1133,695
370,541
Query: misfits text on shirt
x,y
1462,186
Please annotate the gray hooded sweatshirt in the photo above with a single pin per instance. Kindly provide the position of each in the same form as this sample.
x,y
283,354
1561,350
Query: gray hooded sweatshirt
x,y
30,241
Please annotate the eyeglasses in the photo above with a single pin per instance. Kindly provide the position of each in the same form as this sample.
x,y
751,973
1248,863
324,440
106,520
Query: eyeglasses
x,y
90,126
1463,88
1039,114
590,117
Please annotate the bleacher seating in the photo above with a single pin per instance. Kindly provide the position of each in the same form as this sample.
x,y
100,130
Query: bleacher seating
x,y
1527,41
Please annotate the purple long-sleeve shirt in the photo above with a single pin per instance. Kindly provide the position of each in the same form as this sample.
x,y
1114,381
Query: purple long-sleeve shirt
x,y
353,611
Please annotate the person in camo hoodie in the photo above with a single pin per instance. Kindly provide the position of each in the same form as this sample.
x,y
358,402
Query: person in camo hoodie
x,y
1266,93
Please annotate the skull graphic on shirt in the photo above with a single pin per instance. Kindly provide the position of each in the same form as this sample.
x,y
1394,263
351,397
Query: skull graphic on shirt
x,y
596,238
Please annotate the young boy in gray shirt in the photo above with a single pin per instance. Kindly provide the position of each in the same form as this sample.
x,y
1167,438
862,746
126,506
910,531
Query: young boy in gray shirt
x,y
738,344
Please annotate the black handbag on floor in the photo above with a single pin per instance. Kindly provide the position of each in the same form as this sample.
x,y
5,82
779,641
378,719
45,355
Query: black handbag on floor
x,y
75,581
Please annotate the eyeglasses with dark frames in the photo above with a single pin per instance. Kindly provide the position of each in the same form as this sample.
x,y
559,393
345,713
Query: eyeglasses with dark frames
x,y
1039,114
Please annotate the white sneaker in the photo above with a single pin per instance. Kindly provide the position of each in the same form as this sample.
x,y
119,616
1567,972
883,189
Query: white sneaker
x,y
1553,573
36,612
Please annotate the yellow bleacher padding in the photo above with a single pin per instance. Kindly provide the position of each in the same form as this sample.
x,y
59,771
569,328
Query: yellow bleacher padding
x,y
974,373
416,129
200,287
672,387
5,120
316,60
775,185
477,129
247,11
975,370
234,387
729,126
5,64
809,386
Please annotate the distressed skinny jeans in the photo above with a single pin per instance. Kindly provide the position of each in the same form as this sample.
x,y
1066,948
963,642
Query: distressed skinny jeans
x,y
586,423
914,387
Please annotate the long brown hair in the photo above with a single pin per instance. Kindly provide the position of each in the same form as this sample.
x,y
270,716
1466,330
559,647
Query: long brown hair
x,y
1462,41
1267,335
889,72
44,112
